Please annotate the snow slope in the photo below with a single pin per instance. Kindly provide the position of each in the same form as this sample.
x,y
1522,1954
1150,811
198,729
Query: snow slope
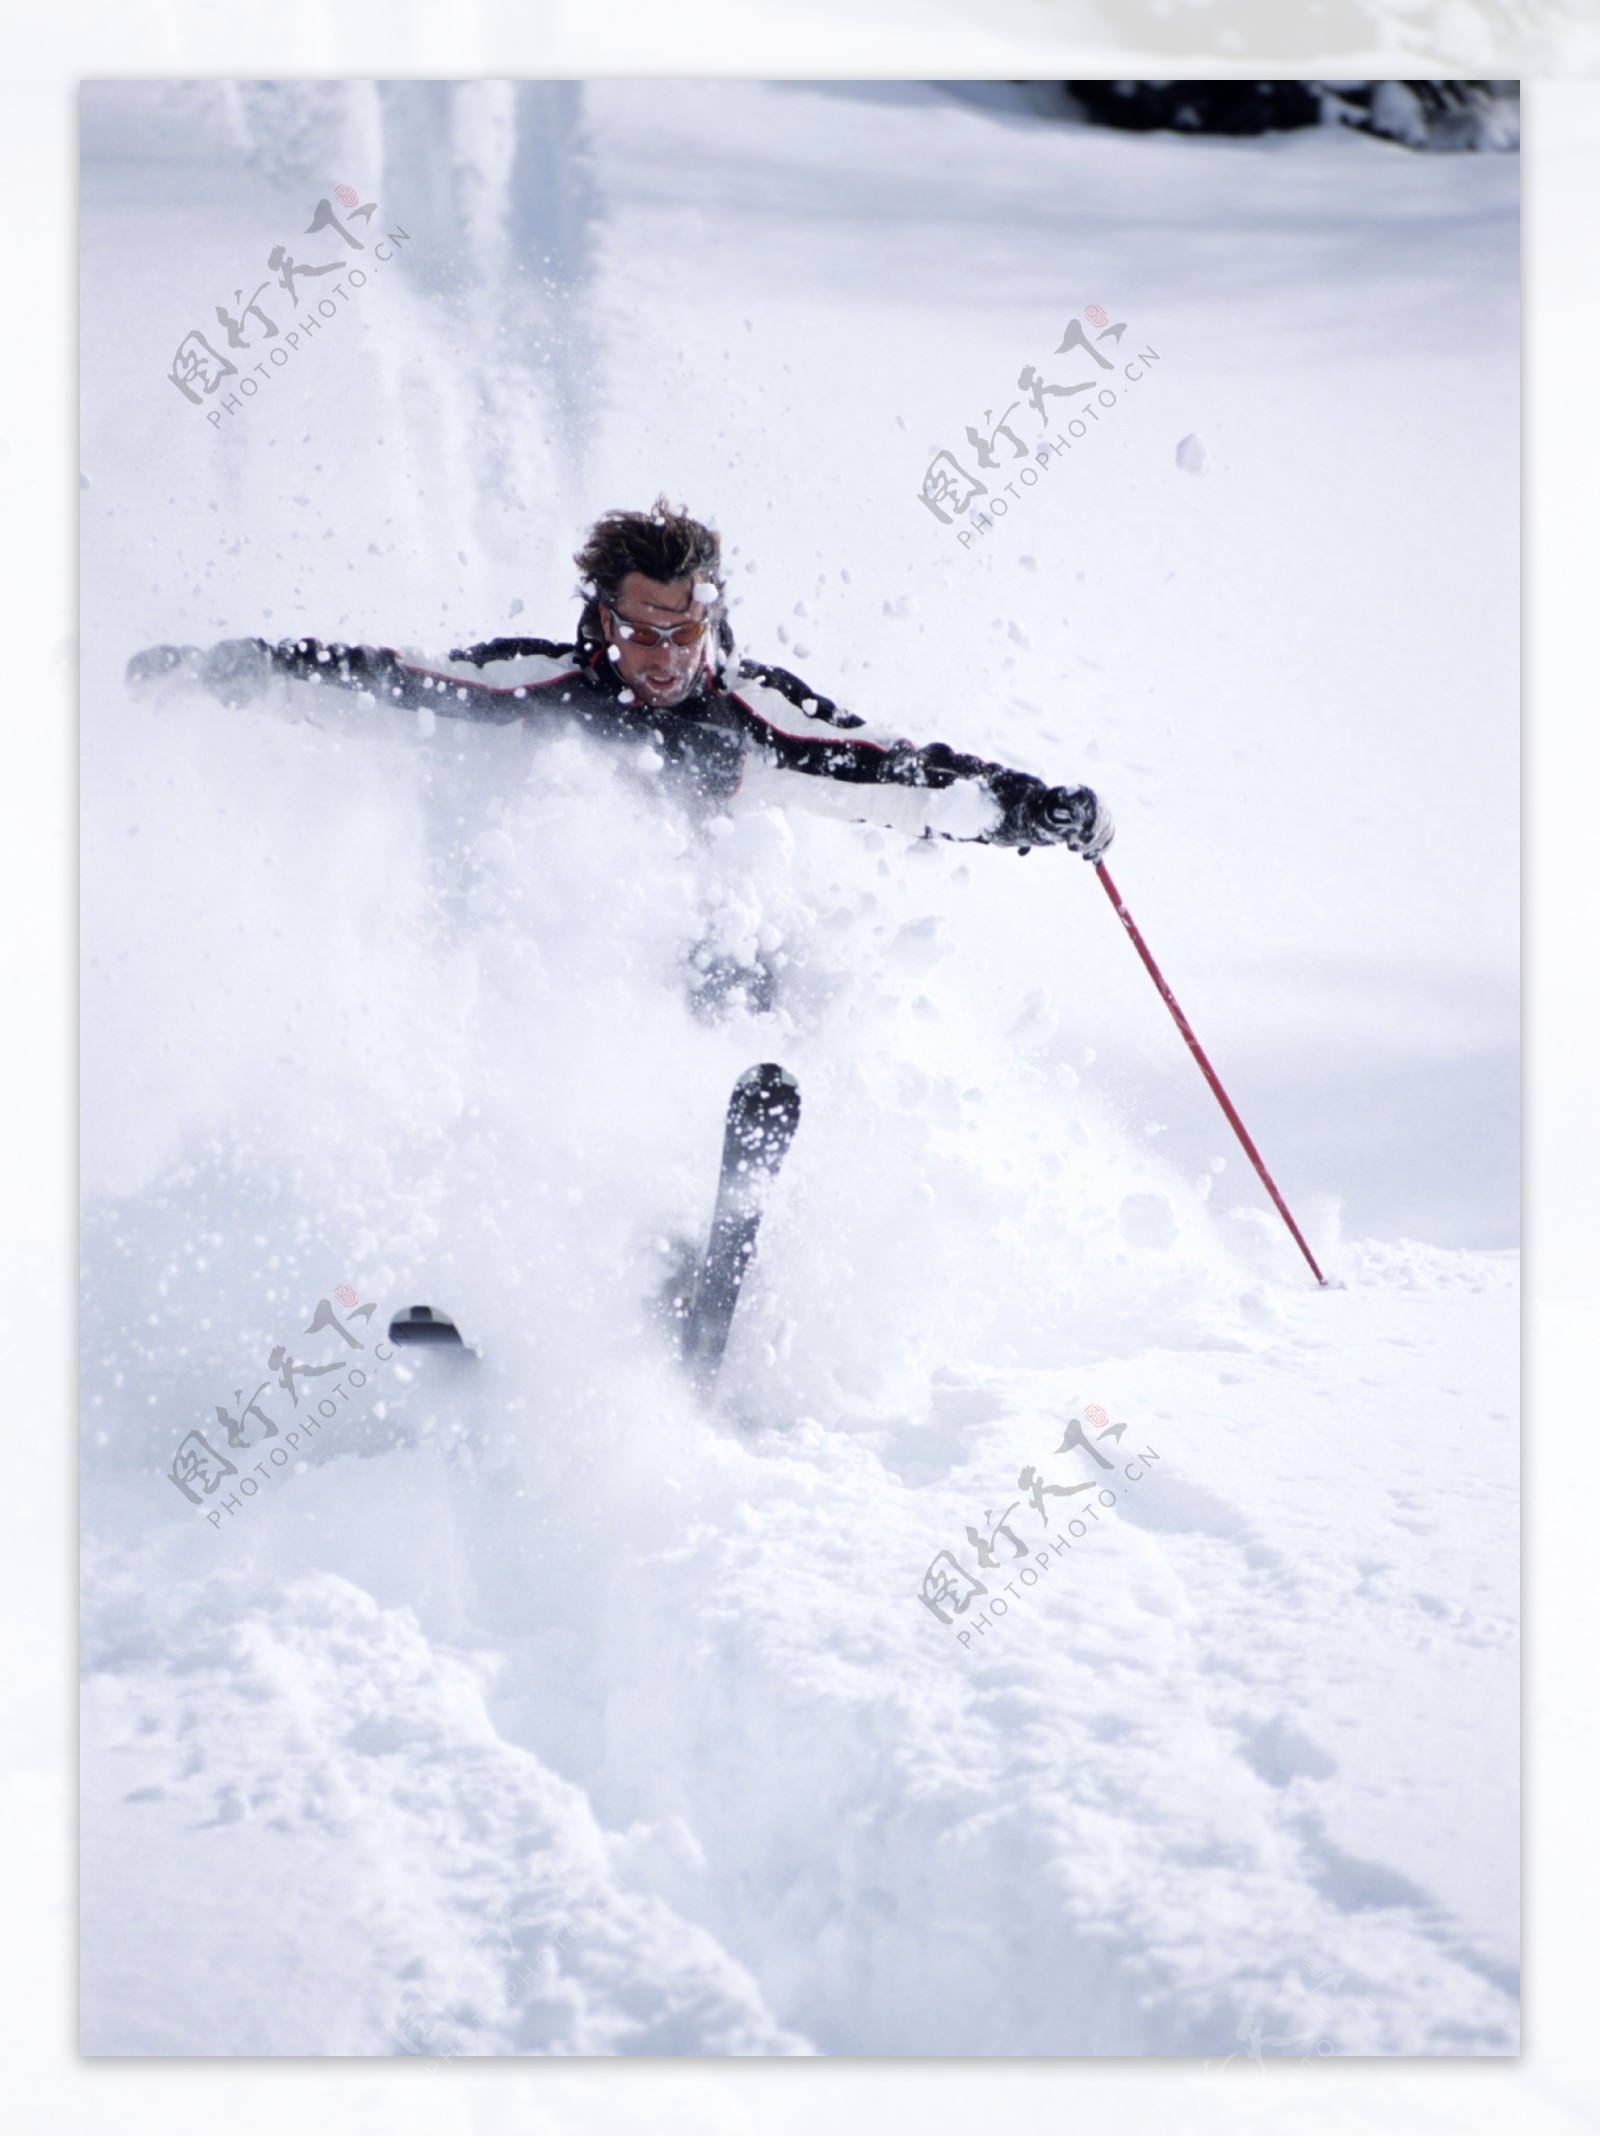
x,y
526,1709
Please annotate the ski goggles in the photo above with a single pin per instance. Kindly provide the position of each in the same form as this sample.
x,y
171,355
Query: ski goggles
x,y
647,634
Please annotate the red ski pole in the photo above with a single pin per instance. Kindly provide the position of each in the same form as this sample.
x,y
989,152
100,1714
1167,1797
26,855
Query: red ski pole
x,y
1206,1068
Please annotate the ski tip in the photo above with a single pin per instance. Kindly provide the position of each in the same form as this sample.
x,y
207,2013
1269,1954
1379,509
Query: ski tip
x,y
769,1076
767,1090
423,1324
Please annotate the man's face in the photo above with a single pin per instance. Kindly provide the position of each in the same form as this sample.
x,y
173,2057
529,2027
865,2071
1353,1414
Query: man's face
x,y
663,673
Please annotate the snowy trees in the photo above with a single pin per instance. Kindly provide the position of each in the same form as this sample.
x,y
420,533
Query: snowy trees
x,y
1437,115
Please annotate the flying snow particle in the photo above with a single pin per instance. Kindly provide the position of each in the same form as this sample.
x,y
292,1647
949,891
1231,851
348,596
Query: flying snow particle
x,y
1192,455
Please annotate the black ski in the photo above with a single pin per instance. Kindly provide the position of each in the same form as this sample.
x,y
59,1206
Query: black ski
x,y
763,1113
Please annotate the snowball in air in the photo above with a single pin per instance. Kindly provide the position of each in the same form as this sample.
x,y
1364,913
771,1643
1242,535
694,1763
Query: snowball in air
x,y
1192,455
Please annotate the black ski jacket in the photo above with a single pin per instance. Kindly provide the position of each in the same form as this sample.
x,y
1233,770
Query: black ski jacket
x,y
732,735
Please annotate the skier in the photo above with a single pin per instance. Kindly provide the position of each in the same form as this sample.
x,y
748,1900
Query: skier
x,y
654,662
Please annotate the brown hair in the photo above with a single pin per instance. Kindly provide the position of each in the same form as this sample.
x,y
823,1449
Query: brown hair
x,y
661,544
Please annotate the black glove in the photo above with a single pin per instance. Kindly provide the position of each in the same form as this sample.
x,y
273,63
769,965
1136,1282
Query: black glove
x,y
147,669
1079,819
236,670
1072,816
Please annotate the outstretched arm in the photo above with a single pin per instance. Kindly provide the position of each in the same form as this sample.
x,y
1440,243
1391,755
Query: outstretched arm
x,y
941,792
1030,813
239,669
